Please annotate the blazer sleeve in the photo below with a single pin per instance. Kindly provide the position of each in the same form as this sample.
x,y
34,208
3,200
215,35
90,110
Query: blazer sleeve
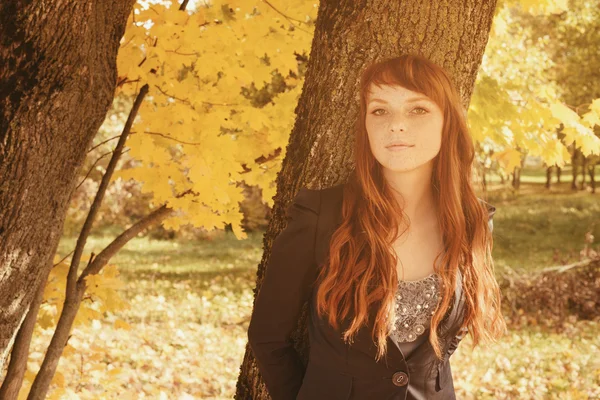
x,y
289,275
464,330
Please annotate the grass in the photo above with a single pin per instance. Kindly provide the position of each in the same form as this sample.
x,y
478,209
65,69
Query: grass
x,y
537,228
531,363
190,304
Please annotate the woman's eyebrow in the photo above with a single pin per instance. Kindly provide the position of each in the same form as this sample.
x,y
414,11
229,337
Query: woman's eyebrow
x,y
410,100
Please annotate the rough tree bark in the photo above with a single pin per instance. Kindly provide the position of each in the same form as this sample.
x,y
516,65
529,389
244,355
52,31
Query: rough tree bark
x,y
57,83
349,35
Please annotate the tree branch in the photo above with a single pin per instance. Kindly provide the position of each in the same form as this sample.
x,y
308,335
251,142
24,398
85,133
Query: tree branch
x,y
109,251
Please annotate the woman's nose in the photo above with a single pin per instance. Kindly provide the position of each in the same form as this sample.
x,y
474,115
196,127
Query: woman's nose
x,y
397,124
397,127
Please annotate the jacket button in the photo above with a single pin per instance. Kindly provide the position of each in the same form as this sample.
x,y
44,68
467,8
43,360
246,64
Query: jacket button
x,y
400,378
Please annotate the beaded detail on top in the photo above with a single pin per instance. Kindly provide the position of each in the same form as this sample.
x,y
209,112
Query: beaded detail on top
x,y
415,303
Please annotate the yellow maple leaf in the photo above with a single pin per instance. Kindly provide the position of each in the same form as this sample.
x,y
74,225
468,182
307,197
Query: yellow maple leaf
x,y
121,324
564,113
508,159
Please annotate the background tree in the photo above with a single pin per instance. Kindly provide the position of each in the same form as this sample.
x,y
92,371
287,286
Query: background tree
x,y
349,35
57,82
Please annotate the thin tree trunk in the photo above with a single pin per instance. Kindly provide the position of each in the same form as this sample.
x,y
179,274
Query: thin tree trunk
x,y
516,178
484,178
349,35
76,284
57,83
575,171
584,165
592,172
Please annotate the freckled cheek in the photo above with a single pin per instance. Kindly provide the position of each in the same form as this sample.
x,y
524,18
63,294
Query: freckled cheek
x,y
378,128
429,133
374,125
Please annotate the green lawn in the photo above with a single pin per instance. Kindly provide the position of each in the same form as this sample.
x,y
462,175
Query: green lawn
x,y
190,303
198,263
538,227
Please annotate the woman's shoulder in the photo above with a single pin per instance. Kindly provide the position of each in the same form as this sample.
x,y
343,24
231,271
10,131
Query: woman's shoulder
x,y
313,198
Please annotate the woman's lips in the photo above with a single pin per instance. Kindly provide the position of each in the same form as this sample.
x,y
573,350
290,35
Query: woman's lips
x,y
398,147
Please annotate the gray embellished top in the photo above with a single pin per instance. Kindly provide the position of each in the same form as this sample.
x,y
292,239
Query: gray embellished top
x,y
415,304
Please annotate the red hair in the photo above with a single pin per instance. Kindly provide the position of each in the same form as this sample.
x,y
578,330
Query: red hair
x,y
360,272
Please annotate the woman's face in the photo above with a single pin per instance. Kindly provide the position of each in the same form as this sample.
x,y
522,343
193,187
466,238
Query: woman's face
x,y
398,115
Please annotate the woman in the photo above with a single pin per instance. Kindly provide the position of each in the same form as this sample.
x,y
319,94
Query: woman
x,y
395,263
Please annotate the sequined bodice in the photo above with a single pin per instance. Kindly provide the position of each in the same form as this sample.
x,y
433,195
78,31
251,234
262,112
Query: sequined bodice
x,y
415,303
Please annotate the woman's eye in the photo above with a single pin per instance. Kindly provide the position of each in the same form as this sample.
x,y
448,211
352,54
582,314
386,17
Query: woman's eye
x,y
425,111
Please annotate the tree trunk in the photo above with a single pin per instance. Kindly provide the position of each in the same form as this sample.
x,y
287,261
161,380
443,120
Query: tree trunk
x,y
484,178
574,158
57,82
584,166
548,177
11,386
348,36
516,178
592,172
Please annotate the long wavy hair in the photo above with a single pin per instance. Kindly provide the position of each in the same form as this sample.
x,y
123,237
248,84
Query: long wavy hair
x,y
359,278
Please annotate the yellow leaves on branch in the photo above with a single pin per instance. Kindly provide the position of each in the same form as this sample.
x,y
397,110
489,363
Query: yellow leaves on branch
x,y
539,7
101,295
515,102
534,129
544,7
579,129
593,116
506,122
197,128
103,289
508,159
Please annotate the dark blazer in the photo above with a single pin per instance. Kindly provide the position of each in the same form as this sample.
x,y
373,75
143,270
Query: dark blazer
x,y
335,370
